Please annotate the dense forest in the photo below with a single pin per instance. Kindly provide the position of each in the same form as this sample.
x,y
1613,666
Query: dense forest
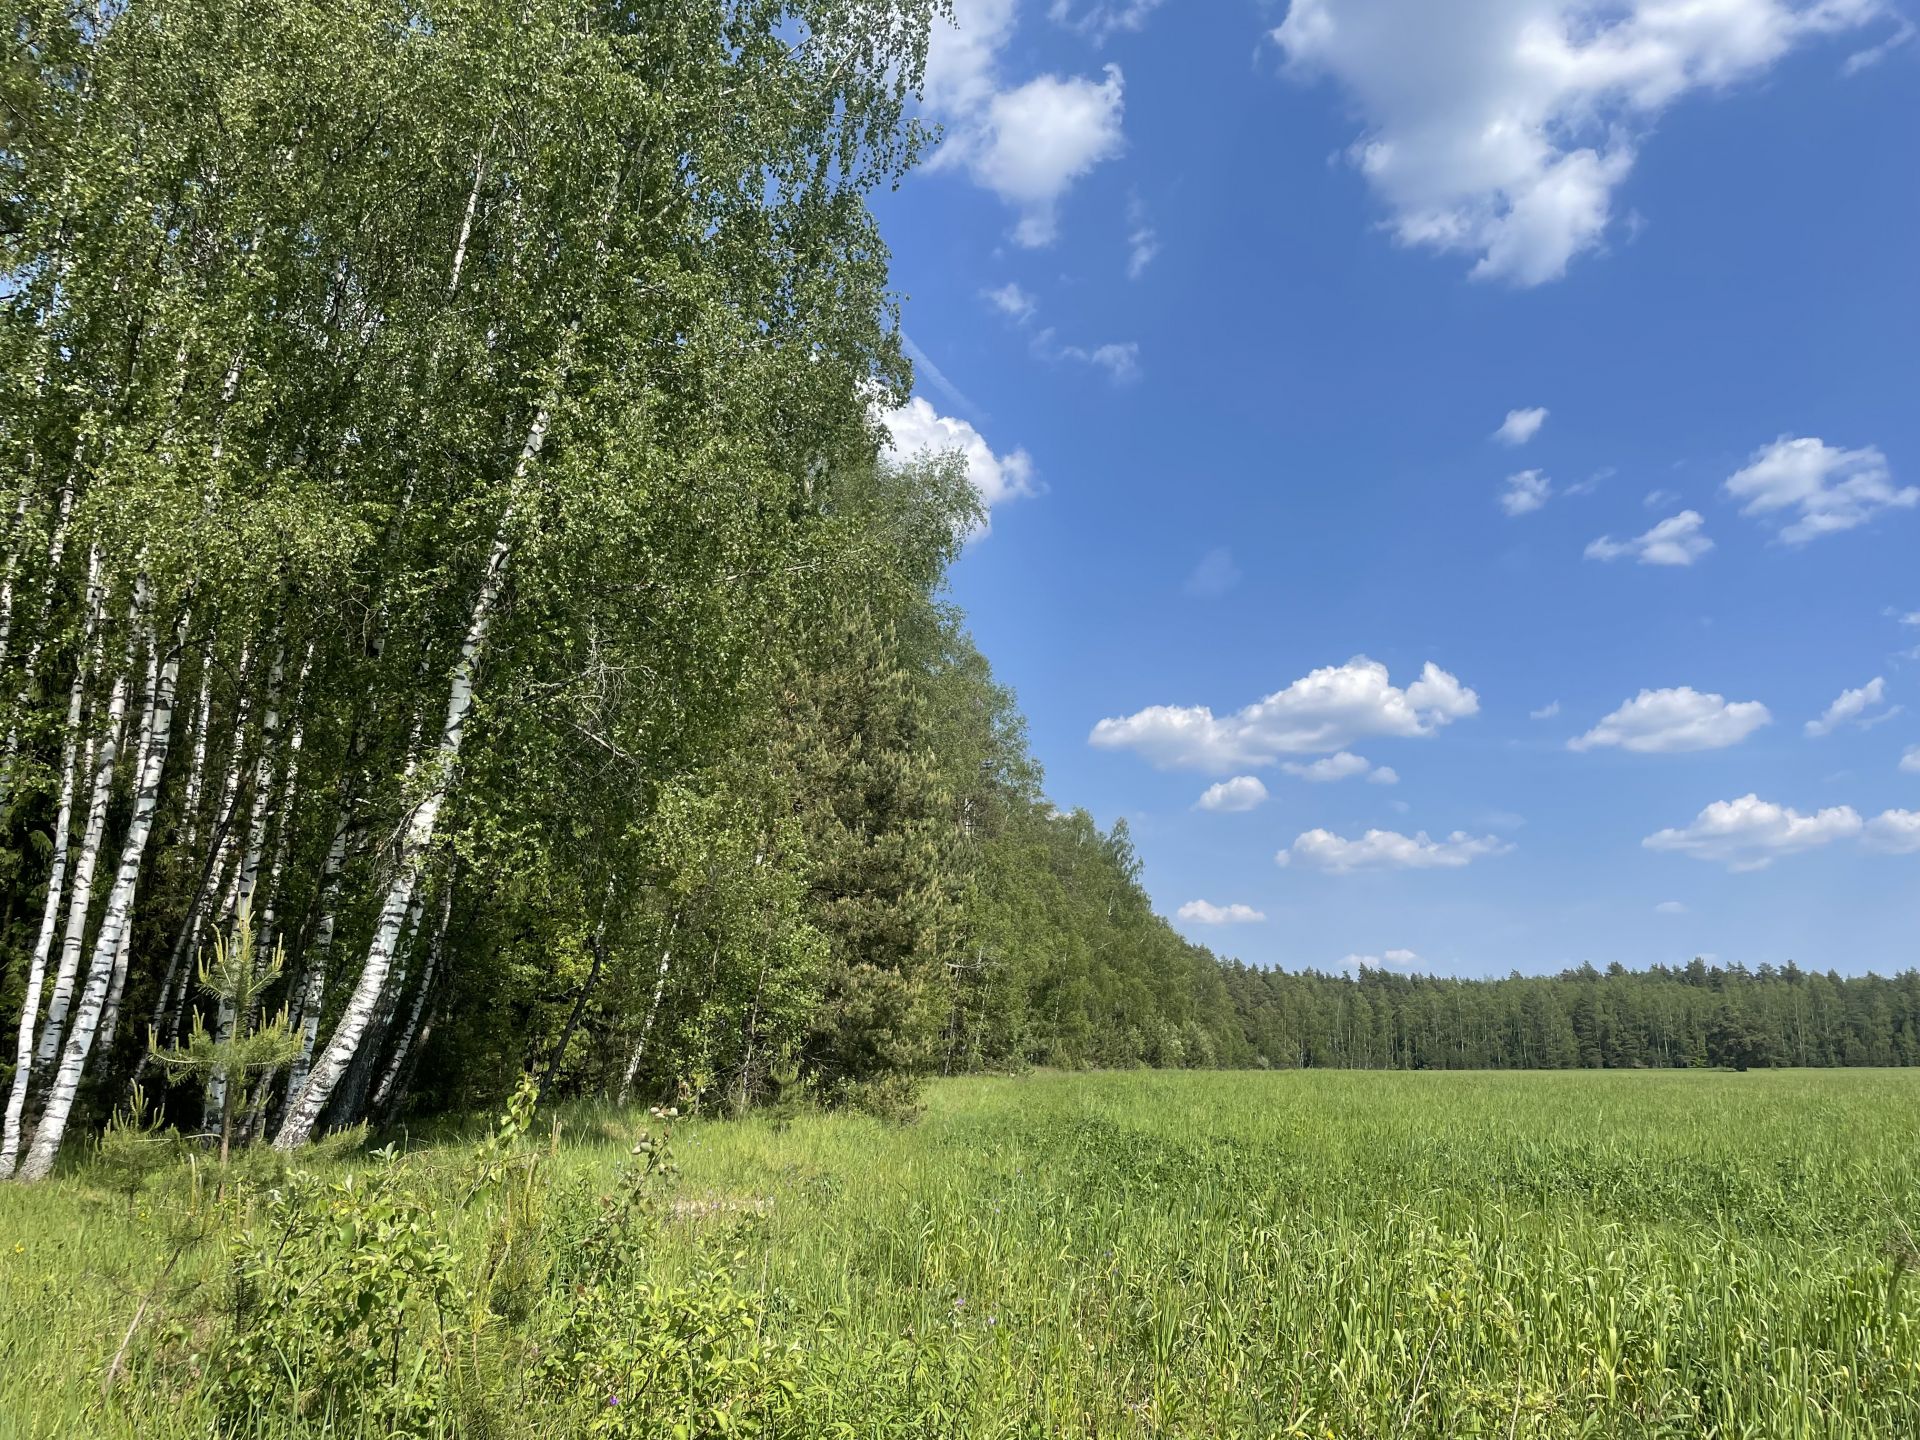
x,y
1694,1015
452,561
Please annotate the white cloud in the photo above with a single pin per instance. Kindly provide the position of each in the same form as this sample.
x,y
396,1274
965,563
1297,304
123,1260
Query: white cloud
x,y
1866,59
1750,833
1674,541
1525,492
1501,128
1143,242
1830,489
1664,721
1912,617
1202,913
1388,850
916,428
1334,767
1011,300
1894,832
1214,575
1230,797
962,56
1120,360
1657,499
1026,143
1392,959
1100,21
1670,907
1546,711
1910,762
1521,426
1325,711
1342,766
1860,707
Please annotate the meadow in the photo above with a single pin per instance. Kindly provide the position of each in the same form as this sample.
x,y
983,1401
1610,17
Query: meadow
x,y
1306,1253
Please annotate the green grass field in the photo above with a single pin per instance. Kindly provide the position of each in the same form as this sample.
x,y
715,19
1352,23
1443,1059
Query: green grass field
x,y
1301,1253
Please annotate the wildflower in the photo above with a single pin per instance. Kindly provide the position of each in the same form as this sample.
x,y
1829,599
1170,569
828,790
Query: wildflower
x,y
613,1401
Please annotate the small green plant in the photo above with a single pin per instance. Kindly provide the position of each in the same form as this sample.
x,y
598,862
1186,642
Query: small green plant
x,y
134,1148
253,1049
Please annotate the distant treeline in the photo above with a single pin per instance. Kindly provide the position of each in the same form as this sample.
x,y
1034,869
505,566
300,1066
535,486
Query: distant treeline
x,y
1698,1014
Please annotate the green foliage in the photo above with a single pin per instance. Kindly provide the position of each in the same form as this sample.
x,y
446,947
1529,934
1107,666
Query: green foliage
x,y
343,1299
135,1147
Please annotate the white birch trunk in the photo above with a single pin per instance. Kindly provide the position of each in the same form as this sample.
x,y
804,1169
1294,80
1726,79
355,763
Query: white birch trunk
x,y
304,1110
289,798
186,952
110,1019
197,768
246,875
313,990
157,725
110,1016
50,916
101,758
435,948
653,1009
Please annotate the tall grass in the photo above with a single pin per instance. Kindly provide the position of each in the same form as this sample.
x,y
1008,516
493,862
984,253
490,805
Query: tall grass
x,y
1336,1254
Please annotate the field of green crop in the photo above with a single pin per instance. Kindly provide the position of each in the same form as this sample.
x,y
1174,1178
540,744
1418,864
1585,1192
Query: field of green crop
x,y
1340,1254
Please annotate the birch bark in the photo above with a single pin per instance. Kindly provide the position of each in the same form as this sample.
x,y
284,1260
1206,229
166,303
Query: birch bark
x,y
157,727
303,1111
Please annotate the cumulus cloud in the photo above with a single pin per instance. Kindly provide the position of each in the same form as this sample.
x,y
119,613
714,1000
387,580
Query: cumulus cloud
x,y
1388,850
916,428
1214,575
1670,907
1864,707
1390,960
1664,721
1910,762
1823,488
1026,143
1895,832
1202,913
1241,793
1546,711
1501,128
1525,492
1659,499
1321,713
1343,766
1334,767
1751,833
1674,541
1521,426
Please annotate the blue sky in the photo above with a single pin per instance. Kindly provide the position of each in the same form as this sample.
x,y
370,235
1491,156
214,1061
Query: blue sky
x,y
1243,313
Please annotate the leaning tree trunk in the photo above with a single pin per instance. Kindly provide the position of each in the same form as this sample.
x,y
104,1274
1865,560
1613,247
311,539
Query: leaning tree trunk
x,y
101,759
50,916
653,1009
304,1110
157,728
436,947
